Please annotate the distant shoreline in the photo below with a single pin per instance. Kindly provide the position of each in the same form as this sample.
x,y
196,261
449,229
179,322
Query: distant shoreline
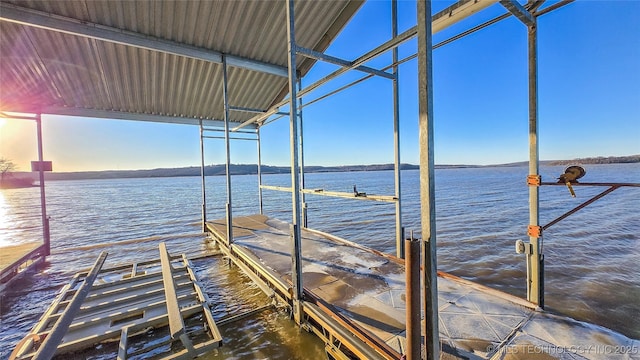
x,y
252,169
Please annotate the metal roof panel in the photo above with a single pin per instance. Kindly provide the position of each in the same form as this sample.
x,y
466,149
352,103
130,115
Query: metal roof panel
x,y
44,68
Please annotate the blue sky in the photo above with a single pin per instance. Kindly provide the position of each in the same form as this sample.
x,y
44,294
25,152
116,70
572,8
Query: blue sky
x,y
589,101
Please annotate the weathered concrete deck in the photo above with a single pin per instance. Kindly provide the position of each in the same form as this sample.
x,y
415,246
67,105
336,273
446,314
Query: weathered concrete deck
x,y
368,289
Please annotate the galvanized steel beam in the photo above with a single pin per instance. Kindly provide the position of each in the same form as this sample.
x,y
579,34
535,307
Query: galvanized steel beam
x,y
552,7
396,133
48,348
346,195
246,109
229,207
46,236
122,115
259,145
441,20
341,62
427,181
301,139
518,11
296,233
42,20
202,178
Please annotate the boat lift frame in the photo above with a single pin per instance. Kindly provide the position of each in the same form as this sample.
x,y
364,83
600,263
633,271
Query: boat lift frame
x,y
427,25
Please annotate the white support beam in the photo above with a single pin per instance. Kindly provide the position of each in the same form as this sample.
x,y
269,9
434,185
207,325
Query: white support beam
x,y
518,11
42,20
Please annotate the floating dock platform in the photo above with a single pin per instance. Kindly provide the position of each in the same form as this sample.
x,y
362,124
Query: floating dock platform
x,y
355,301
18,259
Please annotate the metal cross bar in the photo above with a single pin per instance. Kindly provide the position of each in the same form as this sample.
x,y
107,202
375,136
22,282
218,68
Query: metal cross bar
x,y
443,19
246,109
594,184
337,61
518,11
231,138
552,7
584,204
239,131
346,195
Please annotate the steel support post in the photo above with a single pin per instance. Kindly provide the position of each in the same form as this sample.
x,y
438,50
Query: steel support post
x,y
204,192
534,285
225,94
427,185
259,172
46,235
296,234
396,133
412,279
301,139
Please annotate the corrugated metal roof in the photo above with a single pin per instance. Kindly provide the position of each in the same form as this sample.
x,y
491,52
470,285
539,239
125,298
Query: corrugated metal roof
x,y
49,71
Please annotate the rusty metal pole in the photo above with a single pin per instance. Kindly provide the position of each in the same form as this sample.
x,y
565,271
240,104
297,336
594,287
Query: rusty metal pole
x,y
412,276
534,286
427,181
296,233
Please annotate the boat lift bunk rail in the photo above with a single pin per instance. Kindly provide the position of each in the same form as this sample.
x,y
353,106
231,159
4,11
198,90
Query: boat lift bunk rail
x,y
120,304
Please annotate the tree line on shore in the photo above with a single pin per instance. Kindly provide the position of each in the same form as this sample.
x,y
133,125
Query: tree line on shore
x,y
10,178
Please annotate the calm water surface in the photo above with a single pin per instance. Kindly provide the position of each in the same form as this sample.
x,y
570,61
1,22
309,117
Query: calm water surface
x,y
592,258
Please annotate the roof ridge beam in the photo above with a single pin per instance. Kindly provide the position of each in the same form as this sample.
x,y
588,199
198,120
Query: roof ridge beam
x,y
519,11
39,19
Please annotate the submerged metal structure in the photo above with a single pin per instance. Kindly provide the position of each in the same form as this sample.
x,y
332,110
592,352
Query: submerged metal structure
x,y
164,61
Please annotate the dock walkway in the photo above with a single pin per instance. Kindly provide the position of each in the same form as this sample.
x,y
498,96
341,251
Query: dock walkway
x,y
16,259
366,289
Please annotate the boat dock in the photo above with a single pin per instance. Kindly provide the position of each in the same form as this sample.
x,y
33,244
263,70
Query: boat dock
x,y
355,301
198,63
18,259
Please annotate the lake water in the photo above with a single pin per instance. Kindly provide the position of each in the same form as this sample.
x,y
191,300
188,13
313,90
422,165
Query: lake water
x,y
591,259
